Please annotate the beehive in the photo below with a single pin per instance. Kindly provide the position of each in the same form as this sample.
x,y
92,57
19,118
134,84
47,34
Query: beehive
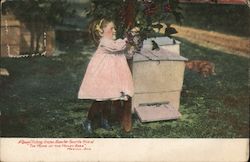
x,y
15,38
158,76
10,32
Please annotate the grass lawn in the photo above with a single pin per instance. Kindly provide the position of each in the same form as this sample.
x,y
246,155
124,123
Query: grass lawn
x,y
228,19
39,98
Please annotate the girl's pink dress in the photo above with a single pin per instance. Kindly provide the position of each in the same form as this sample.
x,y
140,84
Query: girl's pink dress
x,y
108,76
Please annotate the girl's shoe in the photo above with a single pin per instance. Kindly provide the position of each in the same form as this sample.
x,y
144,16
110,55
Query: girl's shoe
x,y
105,124
87,127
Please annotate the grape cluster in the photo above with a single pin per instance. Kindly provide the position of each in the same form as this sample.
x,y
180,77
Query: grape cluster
x,y
167,8
149,7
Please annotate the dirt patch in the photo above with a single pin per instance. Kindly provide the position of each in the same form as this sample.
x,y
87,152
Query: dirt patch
x,y
234,101
230,44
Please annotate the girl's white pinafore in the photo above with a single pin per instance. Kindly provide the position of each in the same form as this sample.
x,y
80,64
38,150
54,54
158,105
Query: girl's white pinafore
x,y
108,76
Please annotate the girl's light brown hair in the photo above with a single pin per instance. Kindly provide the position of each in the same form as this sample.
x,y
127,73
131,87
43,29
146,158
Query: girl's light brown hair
x,y
96,29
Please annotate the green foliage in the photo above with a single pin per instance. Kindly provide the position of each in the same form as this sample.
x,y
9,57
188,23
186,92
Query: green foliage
x,y
46,12
105,9
130,13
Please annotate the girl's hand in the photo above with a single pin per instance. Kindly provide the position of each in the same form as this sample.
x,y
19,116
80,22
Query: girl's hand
x,y
129,38
125,39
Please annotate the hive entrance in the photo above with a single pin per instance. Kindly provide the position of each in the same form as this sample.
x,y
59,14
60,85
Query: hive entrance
x,y
149,112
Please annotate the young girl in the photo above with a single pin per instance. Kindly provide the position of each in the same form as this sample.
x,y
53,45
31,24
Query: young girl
x,y
107,78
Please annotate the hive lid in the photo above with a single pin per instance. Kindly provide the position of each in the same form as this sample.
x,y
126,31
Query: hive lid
x,y
161,41
147,54
156,112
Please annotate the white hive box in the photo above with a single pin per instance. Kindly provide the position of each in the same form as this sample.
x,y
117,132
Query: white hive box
x,y
158,77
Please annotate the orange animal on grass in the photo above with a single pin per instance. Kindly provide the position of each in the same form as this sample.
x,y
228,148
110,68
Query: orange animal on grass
x,y
203,67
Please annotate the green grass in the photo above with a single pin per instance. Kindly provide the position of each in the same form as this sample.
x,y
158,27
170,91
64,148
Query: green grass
x,y
229,19
39,98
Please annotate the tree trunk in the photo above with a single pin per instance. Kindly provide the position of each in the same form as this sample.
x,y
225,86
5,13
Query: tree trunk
x,y
130,14
32,39
38,29
38,36
44,36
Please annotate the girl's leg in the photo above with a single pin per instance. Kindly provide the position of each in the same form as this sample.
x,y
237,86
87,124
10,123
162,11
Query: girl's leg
x,y
93,111
106,111
118,110
126,116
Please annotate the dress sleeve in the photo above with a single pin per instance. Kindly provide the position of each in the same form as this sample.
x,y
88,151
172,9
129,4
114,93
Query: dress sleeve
x,y
113,46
